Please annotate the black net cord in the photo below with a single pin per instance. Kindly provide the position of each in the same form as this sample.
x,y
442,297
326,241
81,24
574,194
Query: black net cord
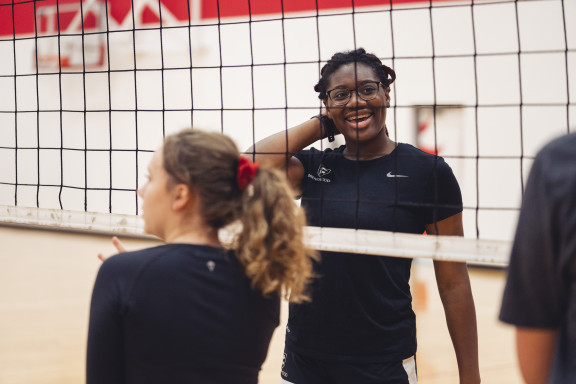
x,y
521,108
476,126
38,153
61,108
15,108
566,68
136,108
108,79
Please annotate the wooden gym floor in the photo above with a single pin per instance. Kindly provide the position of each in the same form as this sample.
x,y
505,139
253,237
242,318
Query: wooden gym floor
x,y
46,281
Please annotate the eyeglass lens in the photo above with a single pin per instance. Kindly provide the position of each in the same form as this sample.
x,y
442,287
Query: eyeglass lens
x,y
366,92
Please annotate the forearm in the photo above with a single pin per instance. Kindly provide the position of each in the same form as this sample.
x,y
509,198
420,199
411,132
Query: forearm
x,y
535,349
275,151
461,321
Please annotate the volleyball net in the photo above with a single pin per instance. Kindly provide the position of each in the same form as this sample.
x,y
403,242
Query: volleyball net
x,y
89,89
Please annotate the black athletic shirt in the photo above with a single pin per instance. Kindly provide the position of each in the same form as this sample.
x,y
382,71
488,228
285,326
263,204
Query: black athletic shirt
x,y
541,285
177,313
361,306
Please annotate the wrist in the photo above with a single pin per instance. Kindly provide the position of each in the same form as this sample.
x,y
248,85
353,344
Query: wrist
x,y
470,377
328,127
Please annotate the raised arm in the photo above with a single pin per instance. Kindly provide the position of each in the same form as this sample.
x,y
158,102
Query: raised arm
x,y
456,294
277,151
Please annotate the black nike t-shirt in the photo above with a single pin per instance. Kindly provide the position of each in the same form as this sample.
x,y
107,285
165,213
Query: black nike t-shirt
x,y
361,306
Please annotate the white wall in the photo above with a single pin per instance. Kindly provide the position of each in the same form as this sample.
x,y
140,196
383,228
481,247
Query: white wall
x,y
251,80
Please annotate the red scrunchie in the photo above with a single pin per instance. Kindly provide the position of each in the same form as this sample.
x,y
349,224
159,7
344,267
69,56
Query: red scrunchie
x,y
246,172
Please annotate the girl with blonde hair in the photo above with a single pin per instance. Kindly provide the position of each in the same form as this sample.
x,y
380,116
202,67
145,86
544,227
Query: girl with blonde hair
x,y
191,310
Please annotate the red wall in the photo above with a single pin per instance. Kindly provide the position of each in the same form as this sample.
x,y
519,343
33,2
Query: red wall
x,y
22,11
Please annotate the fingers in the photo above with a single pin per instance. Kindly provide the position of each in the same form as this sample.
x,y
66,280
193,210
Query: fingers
x,y
118,244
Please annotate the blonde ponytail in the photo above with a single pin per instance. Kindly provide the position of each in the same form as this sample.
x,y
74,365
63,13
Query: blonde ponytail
x,y
271,244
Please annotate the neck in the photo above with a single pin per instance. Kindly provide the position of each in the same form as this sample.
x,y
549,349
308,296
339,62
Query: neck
x,y
194,238
380,146
190,229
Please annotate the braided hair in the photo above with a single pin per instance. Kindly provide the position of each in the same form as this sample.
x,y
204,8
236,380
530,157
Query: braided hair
x,y
384,73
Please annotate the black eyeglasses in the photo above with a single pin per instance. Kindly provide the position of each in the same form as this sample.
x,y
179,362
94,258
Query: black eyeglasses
x,y
367,91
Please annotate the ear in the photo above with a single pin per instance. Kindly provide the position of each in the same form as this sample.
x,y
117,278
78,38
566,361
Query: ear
x,y
387,97
181,197
328,112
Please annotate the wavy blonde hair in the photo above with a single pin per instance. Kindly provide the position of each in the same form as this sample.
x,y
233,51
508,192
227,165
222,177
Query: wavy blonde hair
x,y
270,244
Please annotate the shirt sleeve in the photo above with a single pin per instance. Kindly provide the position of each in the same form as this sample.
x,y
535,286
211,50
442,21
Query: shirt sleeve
x,y
533,296
306,157
105,353
444,198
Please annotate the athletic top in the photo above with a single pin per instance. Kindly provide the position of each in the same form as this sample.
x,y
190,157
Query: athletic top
x,y
541,286
177,313
361,307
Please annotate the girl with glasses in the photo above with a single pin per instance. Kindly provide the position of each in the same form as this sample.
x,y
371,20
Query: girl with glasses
x,y
359,326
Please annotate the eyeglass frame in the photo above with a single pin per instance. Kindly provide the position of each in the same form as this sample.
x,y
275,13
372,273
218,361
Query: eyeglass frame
x,y
378,83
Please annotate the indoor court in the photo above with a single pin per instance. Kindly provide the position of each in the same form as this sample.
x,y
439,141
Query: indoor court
x,y
89,89
46,280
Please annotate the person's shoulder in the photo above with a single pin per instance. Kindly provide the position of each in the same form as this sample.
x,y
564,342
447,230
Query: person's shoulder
x,y
565,140
326,151
560,147
557,155
408,151
131,260
554,164
312,156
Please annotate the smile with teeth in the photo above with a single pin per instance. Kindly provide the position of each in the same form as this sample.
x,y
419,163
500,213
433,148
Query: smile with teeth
x,y
359,117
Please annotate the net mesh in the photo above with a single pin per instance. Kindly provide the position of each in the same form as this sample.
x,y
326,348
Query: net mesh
x,y
89,88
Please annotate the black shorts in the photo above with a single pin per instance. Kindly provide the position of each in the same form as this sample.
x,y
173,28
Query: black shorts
x,y
299,369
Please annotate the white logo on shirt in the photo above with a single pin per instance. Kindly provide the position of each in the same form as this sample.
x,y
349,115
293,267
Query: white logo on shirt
x,y
210,265
323,179
323,171
389,174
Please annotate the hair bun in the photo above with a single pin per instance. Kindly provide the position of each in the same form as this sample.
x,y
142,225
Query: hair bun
x,y
390,72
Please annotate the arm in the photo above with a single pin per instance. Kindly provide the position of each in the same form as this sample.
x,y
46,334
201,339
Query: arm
x,y
535,348
456,294
105,351
276,151
539,284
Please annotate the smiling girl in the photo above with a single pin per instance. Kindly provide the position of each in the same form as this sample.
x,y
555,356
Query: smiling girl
x,y
360,327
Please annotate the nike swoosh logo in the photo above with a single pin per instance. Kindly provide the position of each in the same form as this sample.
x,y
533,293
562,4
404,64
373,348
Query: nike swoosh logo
x,y
389,174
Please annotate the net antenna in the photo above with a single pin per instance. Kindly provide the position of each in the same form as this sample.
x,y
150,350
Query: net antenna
x,y
71,36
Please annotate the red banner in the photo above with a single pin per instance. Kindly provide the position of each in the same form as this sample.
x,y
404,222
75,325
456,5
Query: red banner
x,y
17,17
235,8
